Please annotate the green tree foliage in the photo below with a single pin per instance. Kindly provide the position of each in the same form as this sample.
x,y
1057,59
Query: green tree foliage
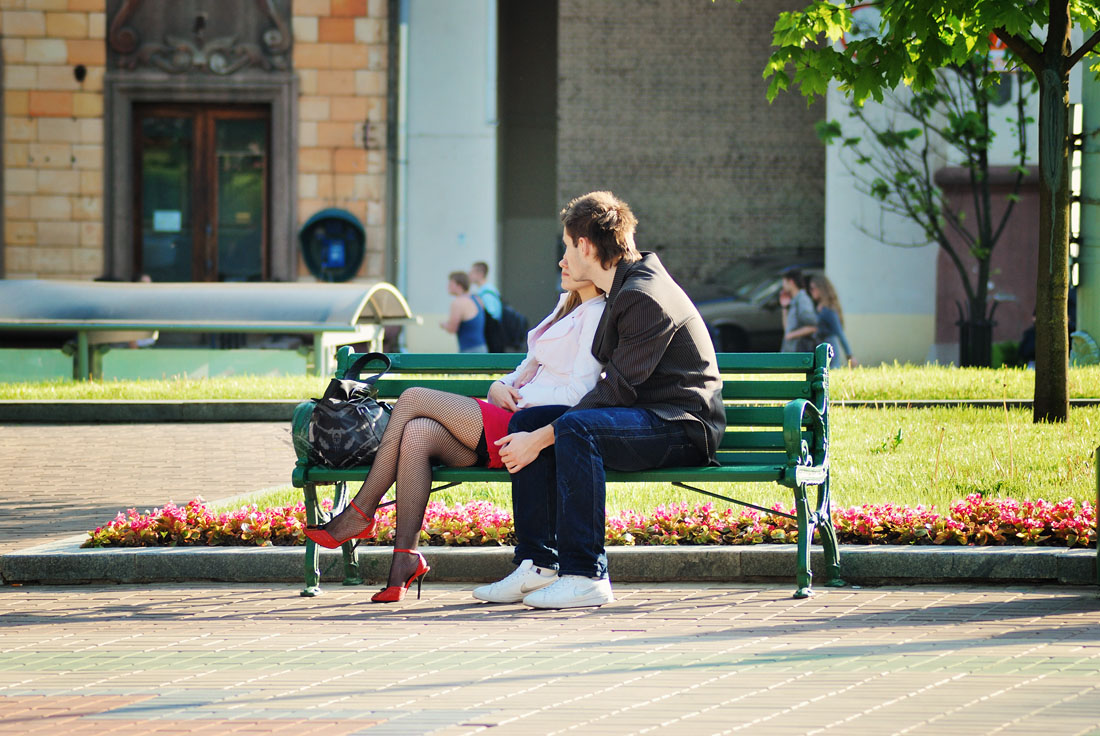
x,y
917,37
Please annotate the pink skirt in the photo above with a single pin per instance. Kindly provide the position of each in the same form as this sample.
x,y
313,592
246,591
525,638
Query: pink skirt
x,y
495,420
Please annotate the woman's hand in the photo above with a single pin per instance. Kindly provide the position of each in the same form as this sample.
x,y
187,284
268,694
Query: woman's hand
x,y
519,449
503,396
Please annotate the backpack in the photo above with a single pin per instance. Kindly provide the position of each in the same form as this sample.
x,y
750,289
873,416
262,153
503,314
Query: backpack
x,y
507,334
515,329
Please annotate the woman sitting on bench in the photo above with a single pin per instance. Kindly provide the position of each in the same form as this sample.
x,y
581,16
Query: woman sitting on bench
x,y
435,426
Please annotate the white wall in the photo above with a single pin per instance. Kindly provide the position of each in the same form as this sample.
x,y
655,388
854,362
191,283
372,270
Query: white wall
x,y
888,292
451,194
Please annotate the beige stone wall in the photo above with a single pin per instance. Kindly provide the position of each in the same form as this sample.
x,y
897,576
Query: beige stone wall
x,y
53,138
663,102
340,56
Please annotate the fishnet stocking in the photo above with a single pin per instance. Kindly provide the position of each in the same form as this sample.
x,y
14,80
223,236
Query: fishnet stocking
x,y
449,435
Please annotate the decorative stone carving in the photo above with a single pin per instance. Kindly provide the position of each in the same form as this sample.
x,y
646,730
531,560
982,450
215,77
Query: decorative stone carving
x,y
200,36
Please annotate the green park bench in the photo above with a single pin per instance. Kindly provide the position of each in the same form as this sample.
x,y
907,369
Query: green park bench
x,y
777,431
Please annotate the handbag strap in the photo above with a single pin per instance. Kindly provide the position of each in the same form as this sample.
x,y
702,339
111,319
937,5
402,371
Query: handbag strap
x,y
357,367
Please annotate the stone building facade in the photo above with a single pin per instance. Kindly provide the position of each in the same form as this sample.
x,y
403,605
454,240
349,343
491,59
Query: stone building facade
x,y
75,70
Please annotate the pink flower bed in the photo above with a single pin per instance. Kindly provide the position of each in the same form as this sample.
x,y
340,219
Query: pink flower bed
x,y
972,521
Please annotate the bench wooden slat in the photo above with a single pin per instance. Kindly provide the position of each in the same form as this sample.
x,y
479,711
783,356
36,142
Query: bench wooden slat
x,y
758,440
765,362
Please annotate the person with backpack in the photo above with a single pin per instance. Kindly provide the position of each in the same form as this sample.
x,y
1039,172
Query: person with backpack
x,y
467,317
429,426
479,286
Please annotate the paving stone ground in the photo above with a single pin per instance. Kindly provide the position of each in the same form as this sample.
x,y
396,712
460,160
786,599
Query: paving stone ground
x,y
698,659
190,659
58,481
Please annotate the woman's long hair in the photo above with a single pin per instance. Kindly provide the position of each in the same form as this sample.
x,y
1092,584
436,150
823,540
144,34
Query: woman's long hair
x,y
571,302
826,294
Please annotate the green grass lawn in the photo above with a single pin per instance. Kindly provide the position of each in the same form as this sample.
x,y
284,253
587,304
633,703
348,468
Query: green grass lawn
x,y
891,382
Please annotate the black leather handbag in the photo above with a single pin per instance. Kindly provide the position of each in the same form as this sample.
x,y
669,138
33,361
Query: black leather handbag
x,y
346,426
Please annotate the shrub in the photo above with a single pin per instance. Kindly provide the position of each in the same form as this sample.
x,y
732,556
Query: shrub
x,y
974,520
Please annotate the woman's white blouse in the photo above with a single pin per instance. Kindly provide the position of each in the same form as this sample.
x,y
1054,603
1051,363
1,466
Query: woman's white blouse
x,y
563,351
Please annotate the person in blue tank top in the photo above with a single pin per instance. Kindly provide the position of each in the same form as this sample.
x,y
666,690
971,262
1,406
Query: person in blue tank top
x,y
467,317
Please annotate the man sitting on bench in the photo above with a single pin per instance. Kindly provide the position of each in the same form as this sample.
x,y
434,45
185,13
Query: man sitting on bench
x,y
658,404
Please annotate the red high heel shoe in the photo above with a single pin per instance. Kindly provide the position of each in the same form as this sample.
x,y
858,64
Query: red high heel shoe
x,y
323,537
395,593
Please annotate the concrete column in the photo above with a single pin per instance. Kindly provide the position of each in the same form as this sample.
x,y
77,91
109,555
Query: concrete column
x,y
1088,260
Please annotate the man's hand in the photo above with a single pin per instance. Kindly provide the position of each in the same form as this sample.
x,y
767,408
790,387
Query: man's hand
x,y
784,298
519,449
503,396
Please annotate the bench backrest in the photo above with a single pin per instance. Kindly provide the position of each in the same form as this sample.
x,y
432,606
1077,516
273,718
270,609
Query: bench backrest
x,y
756,389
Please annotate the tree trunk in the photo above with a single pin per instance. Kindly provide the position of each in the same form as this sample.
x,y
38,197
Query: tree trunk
x,y
1051,402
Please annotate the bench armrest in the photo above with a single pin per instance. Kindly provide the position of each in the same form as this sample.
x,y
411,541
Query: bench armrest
x,y
299,431
798,450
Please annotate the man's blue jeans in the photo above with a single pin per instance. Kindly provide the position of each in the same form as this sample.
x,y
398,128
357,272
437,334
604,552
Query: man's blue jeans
x,y
558,500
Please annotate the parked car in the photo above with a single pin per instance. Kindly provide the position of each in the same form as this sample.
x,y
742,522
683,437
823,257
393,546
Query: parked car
x,y
740,305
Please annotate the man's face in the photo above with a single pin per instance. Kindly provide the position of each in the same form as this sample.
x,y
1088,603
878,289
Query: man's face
x,y
574,263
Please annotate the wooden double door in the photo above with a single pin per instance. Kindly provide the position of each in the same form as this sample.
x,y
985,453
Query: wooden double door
x,y
201,192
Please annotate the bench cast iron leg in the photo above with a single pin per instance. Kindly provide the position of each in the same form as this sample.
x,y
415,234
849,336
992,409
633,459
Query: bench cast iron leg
x,y
312,563
805,537
828,536
351,557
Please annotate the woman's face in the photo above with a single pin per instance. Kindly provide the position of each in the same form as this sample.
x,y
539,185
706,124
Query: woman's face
x,y
453,288
815,293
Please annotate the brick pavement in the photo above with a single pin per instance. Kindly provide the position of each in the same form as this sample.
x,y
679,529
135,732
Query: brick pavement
x,y
698,659
61,480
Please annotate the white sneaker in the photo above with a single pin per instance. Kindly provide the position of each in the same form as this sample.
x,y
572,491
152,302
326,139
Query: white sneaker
x,y
572,591
524,579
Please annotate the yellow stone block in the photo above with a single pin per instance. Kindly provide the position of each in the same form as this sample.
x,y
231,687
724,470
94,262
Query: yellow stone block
x,y
97,25
88,157
47,51
16,102
30,23
18,259
87,105
58,234
370,30
88,208
91,183
67,25
88,261
51,155
321,8
51,208
53,260
91,234
14,50
20,129
21,181
58,130
91,130
58,181
307,134
17,155
59,78
19,232
305,29
20,76
313,108
17,207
